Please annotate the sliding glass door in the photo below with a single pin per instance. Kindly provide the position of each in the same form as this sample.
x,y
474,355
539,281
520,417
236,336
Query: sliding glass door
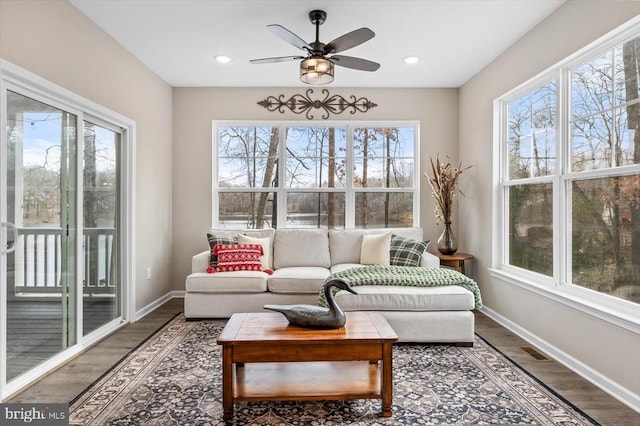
x,y
101,228
40,198
61,231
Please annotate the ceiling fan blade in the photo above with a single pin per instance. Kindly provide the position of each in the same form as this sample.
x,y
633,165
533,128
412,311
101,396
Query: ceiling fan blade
x,y
276,59
289,37
355,63
349,40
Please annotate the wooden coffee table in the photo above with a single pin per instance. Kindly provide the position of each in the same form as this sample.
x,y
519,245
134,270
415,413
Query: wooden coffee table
x,y
264,358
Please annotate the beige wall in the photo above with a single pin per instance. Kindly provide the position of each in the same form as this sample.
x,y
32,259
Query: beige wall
x,y
57,42
602,347
195,108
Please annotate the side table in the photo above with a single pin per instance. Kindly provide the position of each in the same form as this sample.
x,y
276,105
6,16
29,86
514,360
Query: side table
x,y
453,261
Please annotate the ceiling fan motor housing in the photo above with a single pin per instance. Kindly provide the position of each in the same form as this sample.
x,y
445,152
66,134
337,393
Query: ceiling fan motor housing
x,y
317,17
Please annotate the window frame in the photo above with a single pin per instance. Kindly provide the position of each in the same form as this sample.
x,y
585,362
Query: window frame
x,y
350,190
558,287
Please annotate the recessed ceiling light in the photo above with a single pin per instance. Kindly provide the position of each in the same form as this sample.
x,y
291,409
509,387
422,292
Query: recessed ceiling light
x,y
223,59
411,59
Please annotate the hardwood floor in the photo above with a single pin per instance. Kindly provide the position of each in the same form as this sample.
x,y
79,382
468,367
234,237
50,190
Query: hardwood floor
x,y
592,400
68,381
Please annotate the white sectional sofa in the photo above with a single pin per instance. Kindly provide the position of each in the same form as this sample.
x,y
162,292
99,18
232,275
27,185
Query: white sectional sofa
x,y
302,259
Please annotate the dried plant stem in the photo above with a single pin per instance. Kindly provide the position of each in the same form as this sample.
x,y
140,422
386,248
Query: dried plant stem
x,y
444,187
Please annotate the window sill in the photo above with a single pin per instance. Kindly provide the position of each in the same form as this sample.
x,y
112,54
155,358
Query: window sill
x,y
627,317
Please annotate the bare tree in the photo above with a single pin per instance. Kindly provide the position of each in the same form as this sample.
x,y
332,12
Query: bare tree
x,y
361,142
90,204
631,60
267,180
331,205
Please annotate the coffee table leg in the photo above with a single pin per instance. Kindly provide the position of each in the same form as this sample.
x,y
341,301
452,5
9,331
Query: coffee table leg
x,y
387,379
227,383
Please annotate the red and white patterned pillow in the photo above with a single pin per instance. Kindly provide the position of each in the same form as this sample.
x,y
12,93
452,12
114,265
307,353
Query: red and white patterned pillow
x,y
238,257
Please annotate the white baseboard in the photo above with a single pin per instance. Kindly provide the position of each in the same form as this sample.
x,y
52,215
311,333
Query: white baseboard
x,y
157,303
614,389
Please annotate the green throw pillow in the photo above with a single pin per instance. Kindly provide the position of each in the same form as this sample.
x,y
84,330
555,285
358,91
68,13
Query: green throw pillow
x,y
214,240
405,251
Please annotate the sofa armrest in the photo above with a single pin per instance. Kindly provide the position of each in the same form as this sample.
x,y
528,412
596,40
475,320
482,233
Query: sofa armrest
x,y
200,262
429,260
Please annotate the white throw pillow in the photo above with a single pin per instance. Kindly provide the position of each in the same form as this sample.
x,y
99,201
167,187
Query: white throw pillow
x,y
375,249
265,259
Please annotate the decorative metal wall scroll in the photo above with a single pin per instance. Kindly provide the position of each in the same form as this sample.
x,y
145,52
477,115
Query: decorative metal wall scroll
x,y
331,104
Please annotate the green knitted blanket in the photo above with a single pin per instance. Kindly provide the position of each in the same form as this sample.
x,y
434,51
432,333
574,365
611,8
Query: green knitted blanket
x,y
405,276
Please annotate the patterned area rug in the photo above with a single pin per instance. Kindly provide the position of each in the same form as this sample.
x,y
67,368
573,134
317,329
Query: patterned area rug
x,y
175,378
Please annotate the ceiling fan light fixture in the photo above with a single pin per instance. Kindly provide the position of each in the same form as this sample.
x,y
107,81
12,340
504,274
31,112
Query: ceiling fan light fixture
x,y
316,70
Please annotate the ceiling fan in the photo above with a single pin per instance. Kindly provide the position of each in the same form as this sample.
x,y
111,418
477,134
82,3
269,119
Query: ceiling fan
x,y
317,67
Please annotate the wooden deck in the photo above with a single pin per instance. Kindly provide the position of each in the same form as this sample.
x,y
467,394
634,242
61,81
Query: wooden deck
x,y
34,329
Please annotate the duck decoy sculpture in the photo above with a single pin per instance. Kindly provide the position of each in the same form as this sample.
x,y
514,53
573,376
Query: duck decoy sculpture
x,y
311,316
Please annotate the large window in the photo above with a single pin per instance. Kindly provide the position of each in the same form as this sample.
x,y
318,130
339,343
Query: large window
x,y
570,174
332,176
531,154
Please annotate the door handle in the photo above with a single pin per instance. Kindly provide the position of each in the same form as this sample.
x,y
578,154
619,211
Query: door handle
x,y
11,245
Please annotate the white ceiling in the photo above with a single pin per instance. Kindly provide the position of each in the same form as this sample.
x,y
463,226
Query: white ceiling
x,y
178,39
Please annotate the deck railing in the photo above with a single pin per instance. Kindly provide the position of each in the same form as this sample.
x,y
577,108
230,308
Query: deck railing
x,y
38,261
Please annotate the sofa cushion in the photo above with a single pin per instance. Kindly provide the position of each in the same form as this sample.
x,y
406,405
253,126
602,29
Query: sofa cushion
x,y
406,251
413,233
301,247
345,245
227,282
406,298
375,249
308,279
